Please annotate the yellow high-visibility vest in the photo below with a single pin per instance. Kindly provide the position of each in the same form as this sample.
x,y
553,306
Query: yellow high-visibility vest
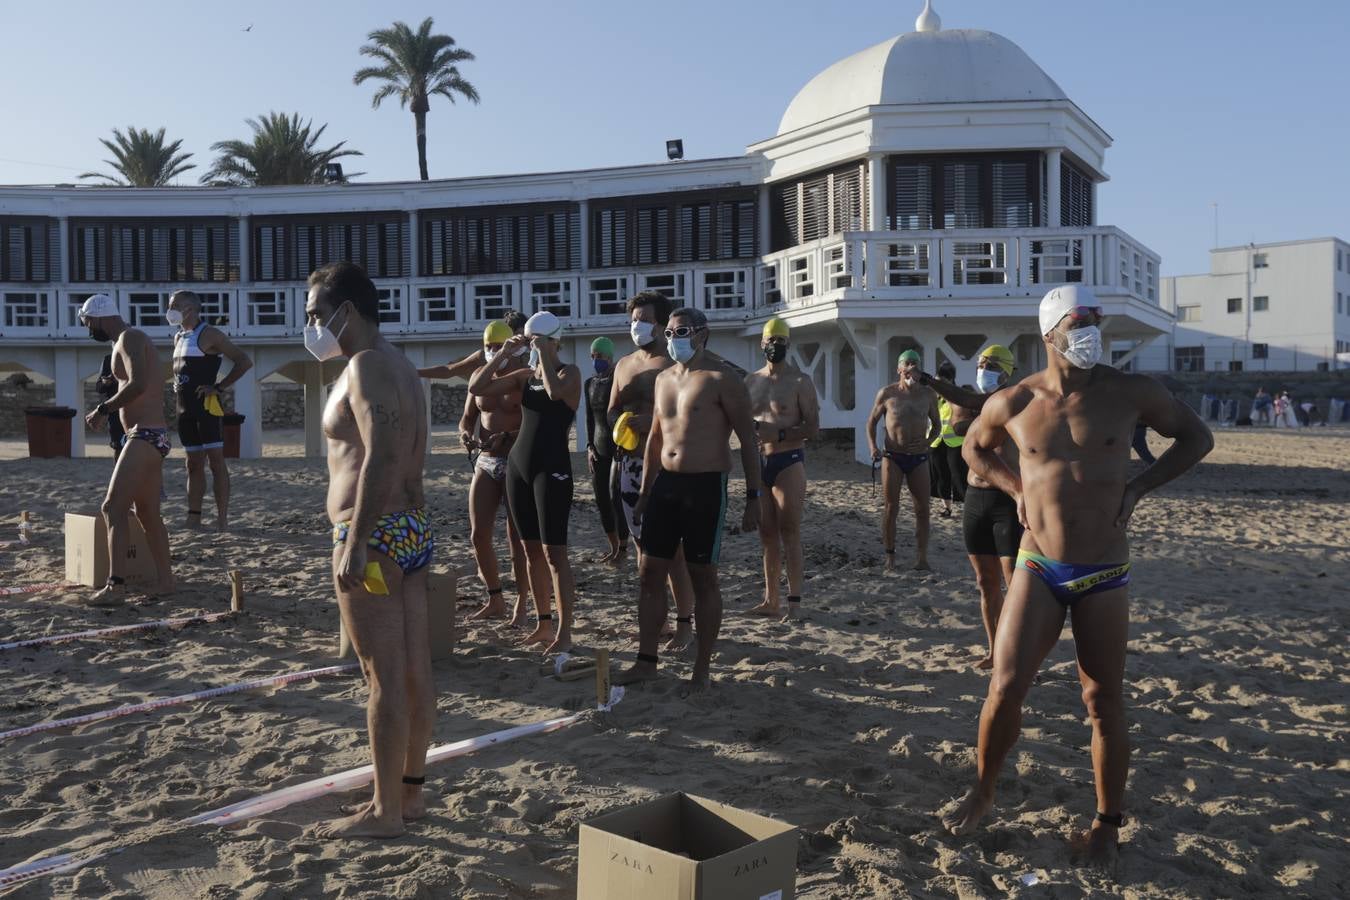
x,y
948,434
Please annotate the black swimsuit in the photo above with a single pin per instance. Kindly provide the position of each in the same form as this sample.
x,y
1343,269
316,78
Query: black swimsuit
x,y
539,469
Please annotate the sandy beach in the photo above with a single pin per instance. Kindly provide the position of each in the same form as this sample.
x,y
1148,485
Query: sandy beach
x,y
856,725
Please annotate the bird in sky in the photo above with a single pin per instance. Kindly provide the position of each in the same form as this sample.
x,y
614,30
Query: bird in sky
x,y
249,28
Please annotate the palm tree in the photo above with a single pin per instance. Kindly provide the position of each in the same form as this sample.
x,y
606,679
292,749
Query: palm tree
x,y
414,66
142,159
282,151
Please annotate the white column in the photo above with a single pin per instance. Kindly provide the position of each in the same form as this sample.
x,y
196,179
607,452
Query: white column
x,y
70,392
315,396
248,403
765,221
414,249
1052,166
584,264
876,192
417,355
866,383
245,262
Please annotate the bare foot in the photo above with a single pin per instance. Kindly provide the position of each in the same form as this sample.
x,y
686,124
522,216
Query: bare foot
x,y
414,807
890,562
494,608
699,679
921,566
542,634
638,671
681,639
766,608
794,613
363,824
519,617
193,520
222,524
986,663
965,818
1099,847
561,644
109,595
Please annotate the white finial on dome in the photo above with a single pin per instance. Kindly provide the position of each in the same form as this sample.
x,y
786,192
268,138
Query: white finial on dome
x,y
928,20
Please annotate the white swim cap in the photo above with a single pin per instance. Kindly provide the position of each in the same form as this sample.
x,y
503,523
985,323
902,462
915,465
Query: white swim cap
x,y
1062,299
543,324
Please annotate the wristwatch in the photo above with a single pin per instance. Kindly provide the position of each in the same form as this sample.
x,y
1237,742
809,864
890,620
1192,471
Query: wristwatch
x,y
102,408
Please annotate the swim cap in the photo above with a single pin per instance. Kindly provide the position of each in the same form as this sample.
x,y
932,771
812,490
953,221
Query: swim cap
x,y
1002,356
602,345
543,324
1062,299
625,435
910,356
496,332
775,327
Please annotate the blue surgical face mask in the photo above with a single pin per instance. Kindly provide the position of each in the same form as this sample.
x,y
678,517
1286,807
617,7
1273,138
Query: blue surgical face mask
x,y
534,357
681,349
601,366
986,380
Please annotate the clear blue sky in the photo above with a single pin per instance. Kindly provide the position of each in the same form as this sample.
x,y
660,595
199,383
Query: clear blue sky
x,y
1238,102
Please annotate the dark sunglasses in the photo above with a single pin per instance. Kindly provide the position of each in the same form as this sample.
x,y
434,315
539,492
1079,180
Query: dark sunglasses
x,y
683,331
1085,313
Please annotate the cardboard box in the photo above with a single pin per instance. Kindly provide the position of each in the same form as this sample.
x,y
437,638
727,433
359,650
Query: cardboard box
x,y
87,552
440,619
682,847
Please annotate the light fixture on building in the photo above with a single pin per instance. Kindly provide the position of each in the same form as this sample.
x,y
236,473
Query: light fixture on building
x,y
332,173
675,149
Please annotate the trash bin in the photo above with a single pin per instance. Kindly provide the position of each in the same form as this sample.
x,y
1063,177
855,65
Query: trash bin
x,y
48,430
229,426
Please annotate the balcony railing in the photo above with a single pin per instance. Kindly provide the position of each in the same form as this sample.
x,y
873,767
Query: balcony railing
x,y
896,265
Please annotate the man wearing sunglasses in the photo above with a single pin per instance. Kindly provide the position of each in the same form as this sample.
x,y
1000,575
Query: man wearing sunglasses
x,y
1072,423
683,501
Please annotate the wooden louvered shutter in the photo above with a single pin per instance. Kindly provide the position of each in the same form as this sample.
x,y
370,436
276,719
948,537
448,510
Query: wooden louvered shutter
x,y
783,211
1075,196
911,197
1012,198
815,208
962,200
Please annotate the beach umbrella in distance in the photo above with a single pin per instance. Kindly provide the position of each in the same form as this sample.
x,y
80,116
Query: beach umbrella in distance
x,y
283,150
413,65
142,158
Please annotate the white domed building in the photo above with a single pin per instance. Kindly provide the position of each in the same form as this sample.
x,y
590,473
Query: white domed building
x,y
923,192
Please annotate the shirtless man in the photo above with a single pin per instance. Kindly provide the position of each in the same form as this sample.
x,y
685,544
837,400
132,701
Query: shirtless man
x,y
197,350
787,414
490,425
683,501
375,422
989,516
1073,423
911,416
464,368
634,391
138,473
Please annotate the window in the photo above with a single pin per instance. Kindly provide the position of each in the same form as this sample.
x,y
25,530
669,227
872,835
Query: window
x,y
1235,365
818,205
144,251
1260,304
1260,351
1189,359
288,248
669,228
1235,304
1188,314
1259,261
966,190
491,240
28,250
1075,196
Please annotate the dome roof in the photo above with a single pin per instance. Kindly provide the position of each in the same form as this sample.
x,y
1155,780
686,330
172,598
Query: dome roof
x,y
923,67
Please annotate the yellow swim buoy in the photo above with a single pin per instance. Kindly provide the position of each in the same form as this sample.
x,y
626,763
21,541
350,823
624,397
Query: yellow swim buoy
x,y
625,435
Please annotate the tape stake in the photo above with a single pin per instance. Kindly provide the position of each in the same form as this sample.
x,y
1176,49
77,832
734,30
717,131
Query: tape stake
x,y
115,629
118,712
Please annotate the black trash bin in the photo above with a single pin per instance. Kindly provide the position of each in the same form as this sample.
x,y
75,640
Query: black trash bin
x,y
48,430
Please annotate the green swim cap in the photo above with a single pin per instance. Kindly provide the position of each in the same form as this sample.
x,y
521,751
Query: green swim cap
x,y
604,346
910,356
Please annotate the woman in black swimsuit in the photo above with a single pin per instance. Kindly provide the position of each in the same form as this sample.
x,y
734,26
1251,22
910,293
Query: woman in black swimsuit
x,y
539,469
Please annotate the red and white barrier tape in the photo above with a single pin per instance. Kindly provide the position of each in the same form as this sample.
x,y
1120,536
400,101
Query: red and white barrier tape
x,y
274,800
176,701
36,588
115,629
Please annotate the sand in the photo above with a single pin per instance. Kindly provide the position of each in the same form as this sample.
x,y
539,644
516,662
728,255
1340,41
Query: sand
x,y
855,725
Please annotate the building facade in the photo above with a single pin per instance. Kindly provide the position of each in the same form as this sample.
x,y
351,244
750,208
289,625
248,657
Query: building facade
x,y
923,193
1279,307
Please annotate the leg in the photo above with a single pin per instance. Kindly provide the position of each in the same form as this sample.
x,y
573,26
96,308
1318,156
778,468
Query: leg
x,y
541,586
616,501
652,575
220,486
682,589
520,571
565,588
960,472
989,581
919,491
939,477
421,687
708,612
891,479
553,497
379,635
196,486
136,479
789,496
771,542
485,496
1100,630
1028,629
604,504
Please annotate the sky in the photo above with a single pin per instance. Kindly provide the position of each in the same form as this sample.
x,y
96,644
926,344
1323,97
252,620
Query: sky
x,y
1237,103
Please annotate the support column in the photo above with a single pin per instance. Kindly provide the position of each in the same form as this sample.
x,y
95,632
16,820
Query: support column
x,y
316,394
1053,160
866,383
876,192
70,392
248,403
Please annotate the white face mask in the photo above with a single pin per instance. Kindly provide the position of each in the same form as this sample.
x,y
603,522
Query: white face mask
x,y
174,318
643,333
489,355
986,380
534,357
1084,346
681,349
321,342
